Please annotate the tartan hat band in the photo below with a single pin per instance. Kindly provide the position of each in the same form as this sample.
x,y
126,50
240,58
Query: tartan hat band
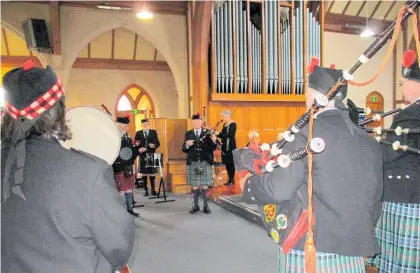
x,y
40,105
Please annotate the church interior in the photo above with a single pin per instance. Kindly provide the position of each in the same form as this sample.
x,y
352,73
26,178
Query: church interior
x,y
167,60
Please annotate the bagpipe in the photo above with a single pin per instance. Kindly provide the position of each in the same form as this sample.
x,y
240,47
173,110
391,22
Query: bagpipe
x,y
208,131
378,117
272,151
247,161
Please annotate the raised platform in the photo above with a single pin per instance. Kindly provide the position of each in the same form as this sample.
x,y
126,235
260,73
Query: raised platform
x,y
236,205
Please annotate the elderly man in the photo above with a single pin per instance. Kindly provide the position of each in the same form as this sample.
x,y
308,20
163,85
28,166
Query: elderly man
x,y
347,189
199,146
60,210
227,136
398,228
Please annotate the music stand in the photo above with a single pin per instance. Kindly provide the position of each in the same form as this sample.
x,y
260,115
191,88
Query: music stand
x,y
161,186
134,201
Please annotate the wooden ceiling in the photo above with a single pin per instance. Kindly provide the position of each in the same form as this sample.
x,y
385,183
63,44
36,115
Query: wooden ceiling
x,y
353,16
164,7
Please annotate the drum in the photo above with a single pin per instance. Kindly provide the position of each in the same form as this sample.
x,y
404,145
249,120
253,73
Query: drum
x,y
153,160
93,132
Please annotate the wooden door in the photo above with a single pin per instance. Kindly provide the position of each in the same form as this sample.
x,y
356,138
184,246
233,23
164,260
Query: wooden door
x,y
375,102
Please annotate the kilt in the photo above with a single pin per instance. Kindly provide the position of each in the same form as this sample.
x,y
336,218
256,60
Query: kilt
x,y
398,233
195,180
123,183
146,170
325,263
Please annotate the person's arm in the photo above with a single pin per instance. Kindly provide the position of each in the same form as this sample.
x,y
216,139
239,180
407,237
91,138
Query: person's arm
x,y
185,147
281,184
157,143
411,140
111,226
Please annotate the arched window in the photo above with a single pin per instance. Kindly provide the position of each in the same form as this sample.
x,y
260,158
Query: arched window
x,y
134,100
124,104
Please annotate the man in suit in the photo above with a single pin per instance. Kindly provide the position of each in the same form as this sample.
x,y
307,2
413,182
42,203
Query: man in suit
x,y
398,226
148,143
124,165
60,211
347,189
200,147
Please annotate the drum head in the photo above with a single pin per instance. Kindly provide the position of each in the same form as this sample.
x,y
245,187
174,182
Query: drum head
x,y
93,132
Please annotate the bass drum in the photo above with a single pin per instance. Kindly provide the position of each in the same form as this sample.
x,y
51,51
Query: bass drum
x,y
93,132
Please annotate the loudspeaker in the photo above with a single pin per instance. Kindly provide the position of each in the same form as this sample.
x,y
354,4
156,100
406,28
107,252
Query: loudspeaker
x,y
36,35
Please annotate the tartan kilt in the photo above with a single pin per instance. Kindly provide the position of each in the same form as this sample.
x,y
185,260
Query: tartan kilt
x,y
195,180
124,183
146,170
398,233
325,263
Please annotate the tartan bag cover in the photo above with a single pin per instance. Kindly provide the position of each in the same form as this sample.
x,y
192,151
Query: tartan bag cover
x,y
294,262
398,233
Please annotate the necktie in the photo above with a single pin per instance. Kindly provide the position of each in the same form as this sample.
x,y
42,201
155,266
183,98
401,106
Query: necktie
x,y
146,133
197,135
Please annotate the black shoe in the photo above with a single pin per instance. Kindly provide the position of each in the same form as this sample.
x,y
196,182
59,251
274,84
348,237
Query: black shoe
x,y
195,209
146,193
132,212
206,208
154,193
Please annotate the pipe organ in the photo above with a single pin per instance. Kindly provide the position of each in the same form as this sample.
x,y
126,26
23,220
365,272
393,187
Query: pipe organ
x,y
263,47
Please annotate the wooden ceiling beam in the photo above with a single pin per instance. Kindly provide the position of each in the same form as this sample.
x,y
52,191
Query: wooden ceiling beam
x,y
4,36
161,7
375,9
346,7
361,8
96,63
55,27
353,22
17,61
330,7
389,9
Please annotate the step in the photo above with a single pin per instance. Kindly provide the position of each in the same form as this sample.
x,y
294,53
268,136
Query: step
x,y
181,189
178,179
236,205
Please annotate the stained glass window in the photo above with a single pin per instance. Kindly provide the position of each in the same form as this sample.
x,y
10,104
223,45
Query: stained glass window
x,y
124,104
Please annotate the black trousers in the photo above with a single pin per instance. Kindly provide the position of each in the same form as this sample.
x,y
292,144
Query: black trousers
x,y
230,168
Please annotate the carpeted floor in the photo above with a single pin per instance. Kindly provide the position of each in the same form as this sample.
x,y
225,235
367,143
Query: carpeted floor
x,y
169,239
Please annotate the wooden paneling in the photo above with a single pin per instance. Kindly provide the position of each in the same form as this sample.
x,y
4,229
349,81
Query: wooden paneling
x,y
268,119
176,129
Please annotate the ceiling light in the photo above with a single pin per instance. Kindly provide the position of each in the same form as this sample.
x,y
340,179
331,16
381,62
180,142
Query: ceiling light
x,y
144,15
367,33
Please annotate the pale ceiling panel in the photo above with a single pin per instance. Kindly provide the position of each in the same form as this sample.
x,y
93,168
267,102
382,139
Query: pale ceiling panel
x,y
383,8
84,53
354,8
145,50
338,6
124,44
101,46
17,45
394,12
159,57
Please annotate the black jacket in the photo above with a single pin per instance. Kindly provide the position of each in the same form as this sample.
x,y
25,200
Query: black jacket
x,y
347,194
119,163
152,138
228,137
201,150
73,219
402,169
